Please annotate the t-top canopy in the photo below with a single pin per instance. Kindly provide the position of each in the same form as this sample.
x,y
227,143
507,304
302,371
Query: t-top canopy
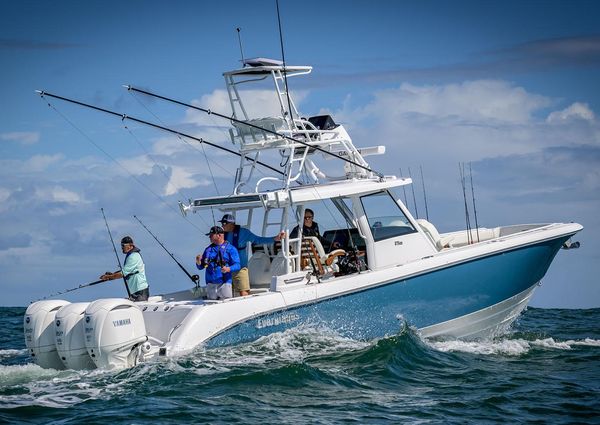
x,y
262,62
261,66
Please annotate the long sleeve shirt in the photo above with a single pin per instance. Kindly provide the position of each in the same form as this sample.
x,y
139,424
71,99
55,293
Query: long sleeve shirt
x,y
244,237
216,256
134,271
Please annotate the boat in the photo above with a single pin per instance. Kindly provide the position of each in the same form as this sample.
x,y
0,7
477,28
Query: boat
x,y
375,269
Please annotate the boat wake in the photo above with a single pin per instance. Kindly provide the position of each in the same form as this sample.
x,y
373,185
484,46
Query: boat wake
x,y
30,385
509,346
291,346
6,354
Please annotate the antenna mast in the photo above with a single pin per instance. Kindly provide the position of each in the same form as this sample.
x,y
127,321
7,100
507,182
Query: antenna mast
x,y
238,29
287,90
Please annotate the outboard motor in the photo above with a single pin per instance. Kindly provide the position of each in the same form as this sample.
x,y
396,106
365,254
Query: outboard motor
x,y
70,342
39,328
114,331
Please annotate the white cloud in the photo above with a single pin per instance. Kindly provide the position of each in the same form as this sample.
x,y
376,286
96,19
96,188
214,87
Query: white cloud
x,y
38,163
257,103
181,178
22,137
57,194
576,111
169,146
483,101
440,126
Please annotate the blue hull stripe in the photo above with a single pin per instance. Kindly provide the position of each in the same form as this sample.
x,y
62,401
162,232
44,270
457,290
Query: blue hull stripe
x,y
423,300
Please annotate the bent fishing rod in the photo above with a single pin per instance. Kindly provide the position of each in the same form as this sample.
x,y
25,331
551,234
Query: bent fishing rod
x,y
194,278
117,255
150,124
210,112
83,285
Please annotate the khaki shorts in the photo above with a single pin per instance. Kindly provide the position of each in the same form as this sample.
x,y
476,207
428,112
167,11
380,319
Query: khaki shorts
x,y
241,280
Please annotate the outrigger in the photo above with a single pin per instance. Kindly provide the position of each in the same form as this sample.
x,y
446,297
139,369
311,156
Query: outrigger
x,y
374,268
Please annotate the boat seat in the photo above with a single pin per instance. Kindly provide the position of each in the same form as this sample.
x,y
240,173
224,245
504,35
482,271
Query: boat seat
x,y
259,270
276,124
278,265
432,233
313,256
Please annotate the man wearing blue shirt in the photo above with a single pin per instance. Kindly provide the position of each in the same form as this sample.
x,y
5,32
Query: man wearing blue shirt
x,y
134,271
220,259
239,237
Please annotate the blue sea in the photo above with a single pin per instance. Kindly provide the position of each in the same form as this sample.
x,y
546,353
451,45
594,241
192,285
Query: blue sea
x,y
546,370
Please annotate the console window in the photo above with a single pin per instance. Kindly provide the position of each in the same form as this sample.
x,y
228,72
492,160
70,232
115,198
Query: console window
x,y
386,219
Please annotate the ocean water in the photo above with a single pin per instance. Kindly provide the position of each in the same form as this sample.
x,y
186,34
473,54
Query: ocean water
x,y
546,370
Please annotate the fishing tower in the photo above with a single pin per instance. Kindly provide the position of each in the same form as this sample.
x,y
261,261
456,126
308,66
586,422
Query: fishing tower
x,y
295,138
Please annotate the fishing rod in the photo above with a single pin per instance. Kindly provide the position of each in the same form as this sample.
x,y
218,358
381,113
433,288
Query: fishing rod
x,y
424,193
473,197
117,255
83,285
461,169
404,190
266,130
195,278
412,186
160,127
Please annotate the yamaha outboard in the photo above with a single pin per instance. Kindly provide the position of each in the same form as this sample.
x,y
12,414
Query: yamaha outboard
x,y
114,332
39,328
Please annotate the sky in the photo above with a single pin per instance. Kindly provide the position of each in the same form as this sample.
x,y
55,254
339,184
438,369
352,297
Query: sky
x,y
510,87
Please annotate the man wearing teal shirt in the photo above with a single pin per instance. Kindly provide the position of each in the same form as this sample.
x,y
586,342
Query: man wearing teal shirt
x,y
134,271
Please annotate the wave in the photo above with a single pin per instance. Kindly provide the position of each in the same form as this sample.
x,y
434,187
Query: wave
x,y
12,353
31,385
508,346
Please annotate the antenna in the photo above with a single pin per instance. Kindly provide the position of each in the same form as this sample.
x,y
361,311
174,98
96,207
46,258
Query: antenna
x,y
238,29
287,91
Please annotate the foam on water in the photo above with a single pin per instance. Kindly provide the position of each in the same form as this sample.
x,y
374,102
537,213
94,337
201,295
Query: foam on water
x,y
12,353
37,386
21,374
290,346
508,346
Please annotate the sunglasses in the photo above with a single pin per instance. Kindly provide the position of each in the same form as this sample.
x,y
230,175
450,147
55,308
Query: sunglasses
x,y
308,217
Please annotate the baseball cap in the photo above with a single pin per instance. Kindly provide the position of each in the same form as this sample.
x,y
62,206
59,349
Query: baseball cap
x,y
127,239
215,230
227,218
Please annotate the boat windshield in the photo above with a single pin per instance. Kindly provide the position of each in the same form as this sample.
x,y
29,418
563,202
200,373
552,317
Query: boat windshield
x,y
386,219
